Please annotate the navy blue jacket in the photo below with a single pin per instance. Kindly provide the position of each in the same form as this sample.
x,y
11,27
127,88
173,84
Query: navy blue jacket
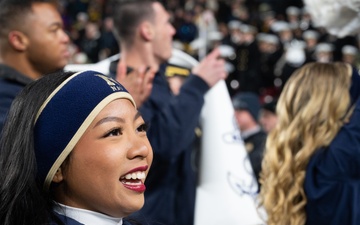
x,y
332,181
255,145
11,83
65,220
171,183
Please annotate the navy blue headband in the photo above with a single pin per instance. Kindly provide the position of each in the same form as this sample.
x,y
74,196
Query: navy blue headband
x,y
66,114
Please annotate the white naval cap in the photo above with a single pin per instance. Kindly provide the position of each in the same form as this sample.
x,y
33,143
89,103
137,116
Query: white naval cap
x,y
198,43
349,50
279,26
215,36
226,51
246,28
324,47
293,10
268,38
311,34
234,24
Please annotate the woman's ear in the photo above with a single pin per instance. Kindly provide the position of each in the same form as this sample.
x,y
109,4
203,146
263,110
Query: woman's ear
x,y
18,40
58,177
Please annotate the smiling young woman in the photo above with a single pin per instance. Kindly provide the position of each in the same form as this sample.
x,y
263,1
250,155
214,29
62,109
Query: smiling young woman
x,y
74,150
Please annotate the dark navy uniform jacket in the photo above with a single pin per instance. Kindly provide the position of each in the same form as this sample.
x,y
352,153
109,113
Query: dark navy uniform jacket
x,y
65,220
332,181
11,83
255,145
171,183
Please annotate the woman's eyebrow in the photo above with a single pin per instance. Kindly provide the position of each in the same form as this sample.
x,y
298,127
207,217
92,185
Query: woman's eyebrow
x,y
137,115
110,119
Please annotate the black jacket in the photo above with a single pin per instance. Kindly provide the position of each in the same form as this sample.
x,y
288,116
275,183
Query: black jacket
x,y
11,83
255,145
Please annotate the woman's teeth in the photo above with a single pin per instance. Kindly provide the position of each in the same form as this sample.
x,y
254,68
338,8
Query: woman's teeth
x,y
136,175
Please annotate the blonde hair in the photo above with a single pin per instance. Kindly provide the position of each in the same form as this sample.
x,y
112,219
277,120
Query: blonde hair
x,y
311,110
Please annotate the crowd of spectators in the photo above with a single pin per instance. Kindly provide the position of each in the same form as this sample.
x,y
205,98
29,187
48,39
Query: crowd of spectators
x,y
269,39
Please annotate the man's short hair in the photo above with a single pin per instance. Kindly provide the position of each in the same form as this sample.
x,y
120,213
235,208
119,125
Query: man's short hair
x,y
128,14
13,12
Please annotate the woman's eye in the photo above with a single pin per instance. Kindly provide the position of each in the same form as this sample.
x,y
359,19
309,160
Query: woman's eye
x,y
114,132
143,127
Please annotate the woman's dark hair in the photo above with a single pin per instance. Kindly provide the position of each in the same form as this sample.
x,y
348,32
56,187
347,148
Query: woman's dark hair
x,y
22,199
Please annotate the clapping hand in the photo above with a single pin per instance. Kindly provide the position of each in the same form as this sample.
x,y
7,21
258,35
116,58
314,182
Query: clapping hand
x,y
138,82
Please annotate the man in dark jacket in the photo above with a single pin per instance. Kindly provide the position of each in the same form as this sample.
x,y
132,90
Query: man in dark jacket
x,y
145,36
247,107
32,43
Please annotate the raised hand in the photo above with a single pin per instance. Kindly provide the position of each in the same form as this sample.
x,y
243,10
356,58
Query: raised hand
x,y
138,82
211,69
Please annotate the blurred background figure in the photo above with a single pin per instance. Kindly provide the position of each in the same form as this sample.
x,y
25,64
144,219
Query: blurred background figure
x,y
292,58
267,18
187,31
283,30
90,44
311,38
247,108
246,63
108,43
77,30
306,23
293,15
350,55
234,33
268,117
324,52
270,53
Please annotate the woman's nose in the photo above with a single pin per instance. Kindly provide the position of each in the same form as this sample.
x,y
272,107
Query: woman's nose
x,y
140,147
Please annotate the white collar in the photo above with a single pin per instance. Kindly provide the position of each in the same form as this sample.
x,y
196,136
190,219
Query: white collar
x,y
86,216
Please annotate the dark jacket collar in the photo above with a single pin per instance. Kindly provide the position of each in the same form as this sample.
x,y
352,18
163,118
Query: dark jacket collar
x,y
9,73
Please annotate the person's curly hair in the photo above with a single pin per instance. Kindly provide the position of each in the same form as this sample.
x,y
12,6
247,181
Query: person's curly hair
x,y
311,110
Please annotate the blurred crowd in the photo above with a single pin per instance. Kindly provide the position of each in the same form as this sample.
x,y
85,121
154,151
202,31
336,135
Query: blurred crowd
x,y
255,46
263,41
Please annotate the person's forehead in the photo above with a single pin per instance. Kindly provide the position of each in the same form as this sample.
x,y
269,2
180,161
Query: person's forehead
x,y
39,6
44,10
160,11
44,15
